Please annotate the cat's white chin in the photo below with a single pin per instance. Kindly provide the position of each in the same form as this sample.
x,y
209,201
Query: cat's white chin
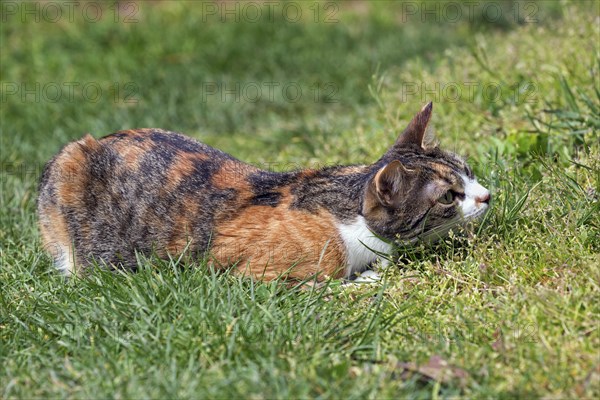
x,y
476,214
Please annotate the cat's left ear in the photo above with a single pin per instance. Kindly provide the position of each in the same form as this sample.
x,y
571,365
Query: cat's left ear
x,y
418,131
390,182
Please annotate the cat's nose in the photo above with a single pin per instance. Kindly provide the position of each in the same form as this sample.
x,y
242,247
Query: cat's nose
x,y
483,198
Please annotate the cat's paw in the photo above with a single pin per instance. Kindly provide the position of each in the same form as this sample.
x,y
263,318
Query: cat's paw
x,y
368,276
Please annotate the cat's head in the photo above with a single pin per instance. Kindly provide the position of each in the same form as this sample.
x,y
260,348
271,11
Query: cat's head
x,y
419,190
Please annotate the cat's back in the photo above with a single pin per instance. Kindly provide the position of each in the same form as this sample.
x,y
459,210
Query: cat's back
x,y
150,157
136,165
133,188
153,150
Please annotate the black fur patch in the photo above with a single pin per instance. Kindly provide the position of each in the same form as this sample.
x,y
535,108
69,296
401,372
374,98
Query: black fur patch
x,y
265,181
333,189
271,199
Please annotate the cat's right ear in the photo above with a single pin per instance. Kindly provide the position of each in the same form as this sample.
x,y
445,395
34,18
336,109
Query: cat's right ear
x,y
416,132
390,181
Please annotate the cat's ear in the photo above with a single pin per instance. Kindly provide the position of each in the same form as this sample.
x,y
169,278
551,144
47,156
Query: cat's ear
x,y
390,182
417,131
429,139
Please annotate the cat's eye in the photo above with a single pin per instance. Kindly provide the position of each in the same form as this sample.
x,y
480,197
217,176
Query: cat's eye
x,y
447,198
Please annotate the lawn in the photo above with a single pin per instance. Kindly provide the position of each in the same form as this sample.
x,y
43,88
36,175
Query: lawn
x,y
509,309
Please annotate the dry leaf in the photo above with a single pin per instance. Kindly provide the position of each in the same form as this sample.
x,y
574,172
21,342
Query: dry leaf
x,y
436,369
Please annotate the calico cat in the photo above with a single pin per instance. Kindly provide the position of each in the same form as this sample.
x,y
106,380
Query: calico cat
x,y
151,191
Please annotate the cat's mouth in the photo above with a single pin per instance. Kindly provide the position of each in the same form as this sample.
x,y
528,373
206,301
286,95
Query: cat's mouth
x,y
479,212
436,233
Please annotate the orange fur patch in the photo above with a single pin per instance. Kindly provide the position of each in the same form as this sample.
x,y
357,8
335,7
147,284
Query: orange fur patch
x,y
267,242
234,174
69,167
55,236
179,170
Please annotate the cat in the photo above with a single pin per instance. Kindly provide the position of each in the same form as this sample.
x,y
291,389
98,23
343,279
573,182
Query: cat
x,y
156,192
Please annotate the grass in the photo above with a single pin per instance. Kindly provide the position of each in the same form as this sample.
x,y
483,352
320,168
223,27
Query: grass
x,y
510,308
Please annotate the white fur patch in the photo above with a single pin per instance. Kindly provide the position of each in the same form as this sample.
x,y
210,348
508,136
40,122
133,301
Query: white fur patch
x,y
361,245
470,206
63,259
